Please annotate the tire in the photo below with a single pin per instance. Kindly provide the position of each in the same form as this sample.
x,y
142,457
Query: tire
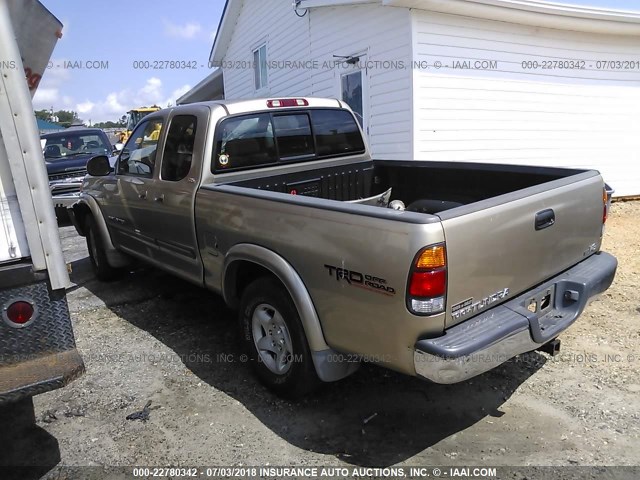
x,y
97,255
62,215
273,339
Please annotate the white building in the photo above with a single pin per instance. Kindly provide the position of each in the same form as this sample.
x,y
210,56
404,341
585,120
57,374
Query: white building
x,y
501,81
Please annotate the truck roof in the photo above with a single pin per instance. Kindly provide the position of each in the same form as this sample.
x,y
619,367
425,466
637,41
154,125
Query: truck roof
x,y
256,104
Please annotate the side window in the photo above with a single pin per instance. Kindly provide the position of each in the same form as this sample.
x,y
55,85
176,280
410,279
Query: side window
x,y
138,157
178,150
294,135
245,141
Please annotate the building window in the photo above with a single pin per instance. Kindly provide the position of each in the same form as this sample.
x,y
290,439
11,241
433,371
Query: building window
x,y
352,93
260,67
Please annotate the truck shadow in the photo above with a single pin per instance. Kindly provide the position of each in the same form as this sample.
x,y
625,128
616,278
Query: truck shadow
x,y
28,451
376,417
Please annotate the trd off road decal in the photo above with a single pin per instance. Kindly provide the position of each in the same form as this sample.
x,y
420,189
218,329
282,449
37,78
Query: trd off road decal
x,y
360,280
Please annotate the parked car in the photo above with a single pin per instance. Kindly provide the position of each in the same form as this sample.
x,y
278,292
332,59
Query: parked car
x,y
66,154
440,270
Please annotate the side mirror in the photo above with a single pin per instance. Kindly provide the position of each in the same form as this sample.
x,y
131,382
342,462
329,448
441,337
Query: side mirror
x,y
118,147
99,166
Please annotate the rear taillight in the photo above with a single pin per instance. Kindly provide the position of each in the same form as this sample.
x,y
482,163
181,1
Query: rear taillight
x,y
19,313
427,285
604,208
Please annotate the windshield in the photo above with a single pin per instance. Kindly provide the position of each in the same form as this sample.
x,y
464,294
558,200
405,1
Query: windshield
x,y
66,145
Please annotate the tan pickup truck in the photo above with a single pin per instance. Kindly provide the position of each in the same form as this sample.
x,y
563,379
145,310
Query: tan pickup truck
x,y
439,270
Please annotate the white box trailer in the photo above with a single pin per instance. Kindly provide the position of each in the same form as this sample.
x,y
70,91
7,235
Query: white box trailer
x,y
37,345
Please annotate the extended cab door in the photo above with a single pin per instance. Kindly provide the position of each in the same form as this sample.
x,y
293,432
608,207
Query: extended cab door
x,y
173,194
127,204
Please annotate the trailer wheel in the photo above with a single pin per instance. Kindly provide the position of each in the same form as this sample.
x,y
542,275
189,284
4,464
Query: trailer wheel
x,y
274,341
97,255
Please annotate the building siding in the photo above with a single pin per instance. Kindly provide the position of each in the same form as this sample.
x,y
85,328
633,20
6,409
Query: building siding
x,y
287,39
383,35
508,114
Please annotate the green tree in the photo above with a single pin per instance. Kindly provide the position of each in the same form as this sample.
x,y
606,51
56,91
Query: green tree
x,y
107,124
42,114
66,117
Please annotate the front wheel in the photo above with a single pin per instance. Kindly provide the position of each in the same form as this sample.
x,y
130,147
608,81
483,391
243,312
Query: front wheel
x,y
274,339
97,254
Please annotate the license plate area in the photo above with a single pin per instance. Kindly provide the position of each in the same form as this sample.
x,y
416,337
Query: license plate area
x,y
549,312
542,302
545,313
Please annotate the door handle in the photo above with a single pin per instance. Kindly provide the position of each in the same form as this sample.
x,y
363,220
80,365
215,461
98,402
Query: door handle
x,y
142,196
159,199
545,219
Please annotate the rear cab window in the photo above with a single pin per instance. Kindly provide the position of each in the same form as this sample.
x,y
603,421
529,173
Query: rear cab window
x,y
245,141
336,133
293,133
263,139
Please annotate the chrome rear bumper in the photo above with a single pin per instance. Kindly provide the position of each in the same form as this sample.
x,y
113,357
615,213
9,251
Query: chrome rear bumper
x,y
499,334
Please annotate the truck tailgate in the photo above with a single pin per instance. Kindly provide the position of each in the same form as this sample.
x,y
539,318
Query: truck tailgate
x,y
500,247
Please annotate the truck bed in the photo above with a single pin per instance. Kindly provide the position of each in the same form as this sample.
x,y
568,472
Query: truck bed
x,y
411,181
499,240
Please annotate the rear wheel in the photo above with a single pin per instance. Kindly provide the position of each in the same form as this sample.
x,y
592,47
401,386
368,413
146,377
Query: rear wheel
x,y
274,340
97,254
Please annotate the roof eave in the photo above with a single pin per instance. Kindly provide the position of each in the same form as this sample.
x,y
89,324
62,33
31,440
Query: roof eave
x,y
333,3
528,12
205,88
225,30
536,13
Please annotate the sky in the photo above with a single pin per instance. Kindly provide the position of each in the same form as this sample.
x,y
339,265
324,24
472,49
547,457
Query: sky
x,y
128,42
133,37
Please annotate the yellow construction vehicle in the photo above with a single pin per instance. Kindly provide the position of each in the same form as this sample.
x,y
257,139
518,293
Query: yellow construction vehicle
x,y
133,117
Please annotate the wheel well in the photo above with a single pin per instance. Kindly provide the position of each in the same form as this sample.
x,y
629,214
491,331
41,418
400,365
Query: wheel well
x,y
238,277
81,211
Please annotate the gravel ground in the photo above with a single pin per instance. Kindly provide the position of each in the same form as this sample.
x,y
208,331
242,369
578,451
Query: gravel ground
x,y
152,337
